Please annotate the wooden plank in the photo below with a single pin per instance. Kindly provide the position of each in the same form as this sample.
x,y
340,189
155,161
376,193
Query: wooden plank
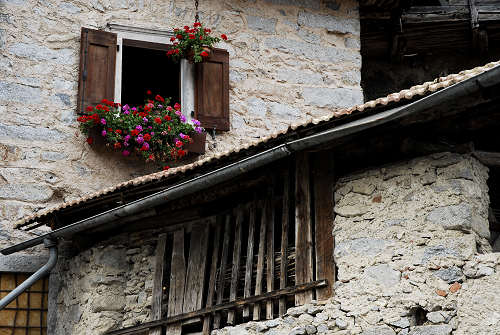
x,y
195,276
303,229
234,304
156,304
260,266
223,263
247,291
177,281
236,263
269,217
488,158
284,240
211,282
323,182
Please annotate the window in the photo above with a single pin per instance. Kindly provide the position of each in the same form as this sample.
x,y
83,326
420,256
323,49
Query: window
x,y
122,64
28,313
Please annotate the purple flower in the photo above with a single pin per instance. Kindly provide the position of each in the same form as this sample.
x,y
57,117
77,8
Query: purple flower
x,y
160,106
181,135
125,152
126,138
145,120
183,119
103,121
134,109
139,139
103,133
125,144
126,112
126,107
152,133
197,129
150,127
196,122
138,128
145,146
178,113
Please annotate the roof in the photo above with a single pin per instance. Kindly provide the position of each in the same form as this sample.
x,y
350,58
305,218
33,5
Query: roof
x,y
403,96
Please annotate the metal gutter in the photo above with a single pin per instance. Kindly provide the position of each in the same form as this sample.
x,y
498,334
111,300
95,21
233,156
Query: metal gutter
x,y
226,173
42,272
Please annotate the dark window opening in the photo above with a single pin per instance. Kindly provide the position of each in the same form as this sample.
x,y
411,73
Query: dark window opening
x,y
494,210
145,66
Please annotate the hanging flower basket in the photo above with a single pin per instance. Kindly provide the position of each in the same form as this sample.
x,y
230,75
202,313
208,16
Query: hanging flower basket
x,y
193,43
155,131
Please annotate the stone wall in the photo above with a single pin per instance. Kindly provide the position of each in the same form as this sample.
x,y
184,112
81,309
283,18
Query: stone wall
x,y
412,255
289,61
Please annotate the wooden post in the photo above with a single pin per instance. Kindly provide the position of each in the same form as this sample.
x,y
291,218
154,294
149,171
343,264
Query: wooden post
x,y
284,241
211,282
156,304
249,264
177,281
260,264
323,183
269,217
223,262
236,263
303,229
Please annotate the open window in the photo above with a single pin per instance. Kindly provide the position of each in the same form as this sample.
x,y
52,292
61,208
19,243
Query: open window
x,y
122,64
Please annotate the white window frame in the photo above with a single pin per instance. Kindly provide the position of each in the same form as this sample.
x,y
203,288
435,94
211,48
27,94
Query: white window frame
x,y
187,83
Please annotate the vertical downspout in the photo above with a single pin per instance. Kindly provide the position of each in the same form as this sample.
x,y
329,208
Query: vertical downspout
x,y
42,272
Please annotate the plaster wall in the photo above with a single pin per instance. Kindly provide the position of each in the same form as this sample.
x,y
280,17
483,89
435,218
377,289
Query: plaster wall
x,y
289,61
411,252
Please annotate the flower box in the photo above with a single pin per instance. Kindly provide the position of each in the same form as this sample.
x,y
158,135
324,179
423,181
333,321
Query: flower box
x,y
198,144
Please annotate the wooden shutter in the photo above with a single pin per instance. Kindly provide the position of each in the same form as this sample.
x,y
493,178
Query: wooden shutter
x,y
97,67
212,91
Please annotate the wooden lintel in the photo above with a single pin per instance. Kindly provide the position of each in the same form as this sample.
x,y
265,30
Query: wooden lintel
x,y
233,304
488,158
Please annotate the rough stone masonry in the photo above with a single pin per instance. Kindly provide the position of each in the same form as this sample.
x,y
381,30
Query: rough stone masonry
x,y
289,61
411,252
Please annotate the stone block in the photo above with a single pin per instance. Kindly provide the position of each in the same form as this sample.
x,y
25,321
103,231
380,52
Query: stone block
x,y
435,317
257,107
352,43
42,53
379,330
298,331
30,133
362,246
53,156
431,330
64,98
349,211
263,24
334,24
313,4
450,275
454,217
312,51
332,97
69,8
26,192
351,77
283,112
383,275
438,251
19,93
292,76
22,263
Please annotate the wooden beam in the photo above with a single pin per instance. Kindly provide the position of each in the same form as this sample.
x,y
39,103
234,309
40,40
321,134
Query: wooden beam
x,y
284,240
177,281
236,262
195,276
157,303
303,228
220,307
260,264
213,276
223,263
323,183
488,158
269,217
247,291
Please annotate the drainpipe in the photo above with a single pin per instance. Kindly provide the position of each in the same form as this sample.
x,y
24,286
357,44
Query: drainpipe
x,y
44,270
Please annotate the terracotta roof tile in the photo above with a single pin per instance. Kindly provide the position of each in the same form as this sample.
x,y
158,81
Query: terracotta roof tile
x,y
418,90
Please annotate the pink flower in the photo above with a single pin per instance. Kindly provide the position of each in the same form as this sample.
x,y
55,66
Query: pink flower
x,y
125,152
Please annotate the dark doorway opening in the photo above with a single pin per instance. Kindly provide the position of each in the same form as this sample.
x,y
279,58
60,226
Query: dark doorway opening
x,y
145,66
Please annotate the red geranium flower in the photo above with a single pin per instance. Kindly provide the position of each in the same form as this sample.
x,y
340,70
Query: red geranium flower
x,y
204,54
167,117
197,24
134,132
181,153
158,120
206,30
177,106
90,140
166,167
159,98
172,39
118,145
179,36
118,131
148,92
186,27
147,137
89,108
224,37
192,37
